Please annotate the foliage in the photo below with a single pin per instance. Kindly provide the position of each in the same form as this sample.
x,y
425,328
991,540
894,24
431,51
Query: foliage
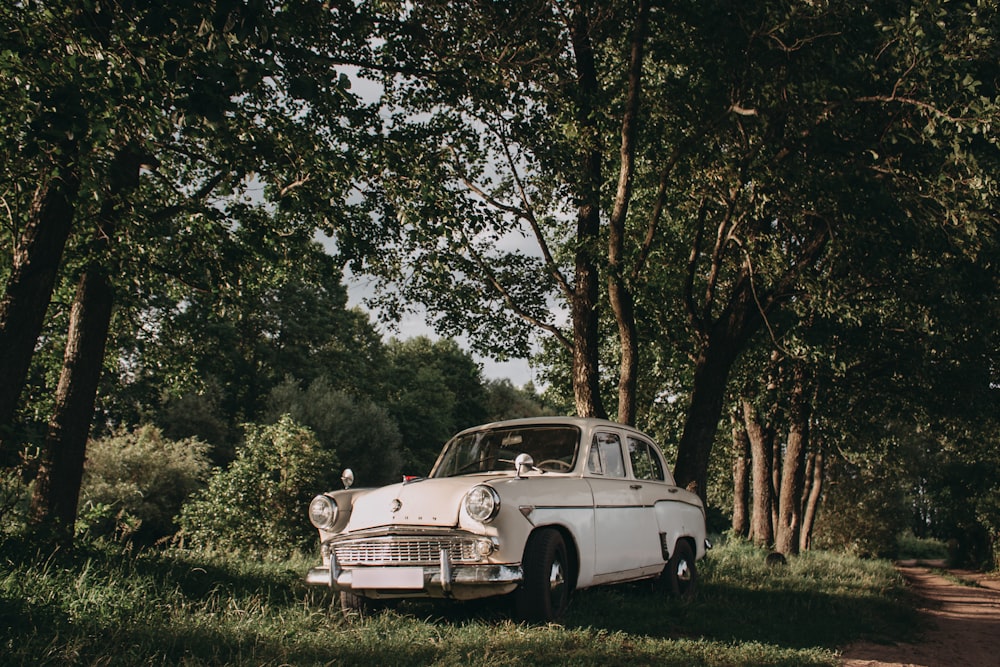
x,y
505,401
135,483
15,495
908,546
434,389
860,514
363,435
258,504
153,607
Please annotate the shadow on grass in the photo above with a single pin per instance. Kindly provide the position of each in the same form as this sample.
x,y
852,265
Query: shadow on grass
x,y
156,607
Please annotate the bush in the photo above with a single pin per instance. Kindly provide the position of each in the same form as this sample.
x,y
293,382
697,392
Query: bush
x,y
258,505
909,546
15,494
134,484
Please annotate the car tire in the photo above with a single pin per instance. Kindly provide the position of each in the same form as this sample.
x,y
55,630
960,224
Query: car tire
x,y
680,576
545,592
354,606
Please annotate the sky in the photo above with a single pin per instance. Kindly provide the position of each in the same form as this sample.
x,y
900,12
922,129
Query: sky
x,y
415,324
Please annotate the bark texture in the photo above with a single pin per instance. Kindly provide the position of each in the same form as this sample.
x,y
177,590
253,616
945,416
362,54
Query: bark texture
x,y
32,278
741,476
761,525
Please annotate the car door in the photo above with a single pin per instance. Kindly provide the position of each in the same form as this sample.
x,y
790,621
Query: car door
x,y
625,526
655,487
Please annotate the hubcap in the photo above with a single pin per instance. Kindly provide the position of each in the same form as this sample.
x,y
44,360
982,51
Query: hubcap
x,y
556,578
683,571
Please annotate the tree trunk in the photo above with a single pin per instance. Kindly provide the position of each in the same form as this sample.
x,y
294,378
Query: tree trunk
x,y
619,294
584,309
32,278
761,526
741,476
57,485
722,345
812,501
775,478
792,475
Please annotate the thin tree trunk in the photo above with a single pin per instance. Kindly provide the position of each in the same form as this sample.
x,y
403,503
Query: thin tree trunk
x,y
761,526
33,277
812,502
790,501
776,472
584,308
741,476
619,294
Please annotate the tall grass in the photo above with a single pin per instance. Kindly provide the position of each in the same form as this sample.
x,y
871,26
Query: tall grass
x,y
104,606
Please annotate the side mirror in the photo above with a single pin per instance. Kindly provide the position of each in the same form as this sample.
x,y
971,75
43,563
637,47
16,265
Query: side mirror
x,y
524,464
347,478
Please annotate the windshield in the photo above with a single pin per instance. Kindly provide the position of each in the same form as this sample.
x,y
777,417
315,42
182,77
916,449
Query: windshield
x,y
553,449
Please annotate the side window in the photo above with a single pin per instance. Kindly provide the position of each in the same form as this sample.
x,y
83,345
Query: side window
x,y
606,456
646,463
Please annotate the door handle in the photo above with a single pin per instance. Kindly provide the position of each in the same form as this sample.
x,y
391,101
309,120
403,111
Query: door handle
x,y
635,487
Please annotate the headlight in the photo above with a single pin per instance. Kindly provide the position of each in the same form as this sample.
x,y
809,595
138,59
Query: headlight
x,y
323,512
482,503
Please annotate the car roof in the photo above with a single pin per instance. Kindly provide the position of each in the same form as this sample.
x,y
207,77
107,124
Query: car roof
x,y
583,423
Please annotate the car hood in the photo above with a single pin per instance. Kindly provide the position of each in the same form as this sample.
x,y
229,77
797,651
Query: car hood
x,y
423,502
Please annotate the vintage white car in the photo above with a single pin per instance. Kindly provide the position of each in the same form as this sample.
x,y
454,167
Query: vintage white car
x,y
535,507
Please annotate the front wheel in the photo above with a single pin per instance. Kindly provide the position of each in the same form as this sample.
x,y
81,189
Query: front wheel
x,y
353,605
680,576
544,594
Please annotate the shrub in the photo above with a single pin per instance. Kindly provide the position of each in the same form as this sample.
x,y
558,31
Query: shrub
x,y
15,495
258,504
135,483
909,546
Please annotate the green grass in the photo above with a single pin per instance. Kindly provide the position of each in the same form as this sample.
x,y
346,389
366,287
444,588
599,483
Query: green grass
x,y
102,606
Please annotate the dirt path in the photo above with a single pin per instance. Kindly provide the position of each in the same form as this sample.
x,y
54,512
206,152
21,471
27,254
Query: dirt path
x,y
962,625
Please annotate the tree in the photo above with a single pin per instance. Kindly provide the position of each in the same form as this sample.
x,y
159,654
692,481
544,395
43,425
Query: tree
x,y
223,98
362,433
499,132
434,389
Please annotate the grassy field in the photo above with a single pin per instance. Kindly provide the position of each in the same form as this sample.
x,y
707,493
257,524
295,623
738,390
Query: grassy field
x,y
103,606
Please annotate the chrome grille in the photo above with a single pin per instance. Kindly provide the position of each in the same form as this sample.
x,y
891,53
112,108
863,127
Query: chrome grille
x,y
399,550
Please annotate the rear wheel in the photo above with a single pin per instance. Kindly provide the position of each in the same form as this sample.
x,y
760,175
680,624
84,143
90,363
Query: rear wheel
x,y
544,594
680,576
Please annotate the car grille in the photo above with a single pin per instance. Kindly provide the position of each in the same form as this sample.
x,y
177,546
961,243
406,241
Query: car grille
x,y
404,550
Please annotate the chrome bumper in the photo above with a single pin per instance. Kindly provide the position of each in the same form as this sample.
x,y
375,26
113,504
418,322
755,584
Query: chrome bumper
x,y
444,580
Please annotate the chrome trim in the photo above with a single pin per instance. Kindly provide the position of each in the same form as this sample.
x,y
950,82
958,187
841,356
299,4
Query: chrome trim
x,y
437,583
445,571
381,549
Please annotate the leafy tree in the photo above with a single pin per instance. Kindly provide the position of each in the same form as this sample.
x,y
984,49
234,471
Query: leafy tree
x,y
132,117
434,390
505,401
761,149
362,433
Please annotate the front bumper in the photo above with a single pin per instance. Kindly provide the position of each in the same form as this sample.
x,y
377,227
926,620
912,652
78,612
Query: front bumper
x,y
444,580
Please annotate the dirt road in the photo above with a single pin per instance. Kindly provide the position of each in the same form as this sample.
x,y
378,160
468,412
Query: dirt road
x,y
962,625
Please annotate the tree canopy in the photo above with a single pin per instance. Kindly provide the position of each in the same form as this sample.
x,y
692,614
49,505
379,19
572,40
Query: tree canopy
x,y
782,211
